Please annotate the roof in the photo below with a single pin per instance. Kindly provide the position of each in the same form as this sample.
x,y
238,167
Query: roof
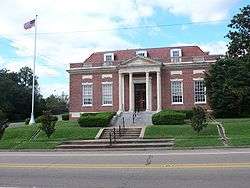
x,y
162,54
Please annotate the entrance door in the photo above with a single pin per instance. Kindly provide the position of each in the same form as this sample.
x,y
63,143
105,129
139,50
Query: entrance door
x,y
140,96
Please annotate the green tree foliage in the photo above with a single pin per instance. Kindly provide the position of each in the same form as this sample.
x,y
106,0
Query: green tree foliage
x,y
15,98
198,120
3,123
228,80
57,104
48,123
228,87
239,35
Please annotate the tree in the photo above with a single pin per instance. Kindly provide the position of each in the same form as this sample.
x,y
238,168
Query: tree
x,y
15,98
198,120
48,123
3,123
228,87
239,35
57,104
228,80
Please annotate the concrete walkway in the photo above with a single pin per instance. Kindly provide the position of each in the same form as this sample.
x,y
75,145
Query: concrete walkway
x,y
141,119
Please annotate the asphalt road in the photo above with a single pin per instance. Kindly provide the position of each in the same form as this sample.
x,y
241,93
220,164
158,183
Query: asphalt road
x,y
229,168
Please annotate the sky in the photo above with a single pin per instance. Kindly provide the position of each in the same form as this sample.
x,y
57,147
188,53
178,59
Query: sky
x,y
69,31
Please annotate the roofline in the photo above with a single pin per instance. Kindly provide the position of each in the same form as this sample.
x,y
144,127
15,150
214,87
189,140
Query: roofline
x,y
108,51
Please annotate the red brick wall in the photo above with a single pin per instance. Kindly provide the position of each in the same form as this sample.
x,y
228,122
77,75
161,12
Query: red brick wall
x,y
188,88
76,91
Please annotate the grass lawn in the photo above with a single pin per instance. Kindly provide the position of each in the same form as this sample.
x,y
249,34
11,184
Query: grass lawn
x,y
184,135
238,131
19,137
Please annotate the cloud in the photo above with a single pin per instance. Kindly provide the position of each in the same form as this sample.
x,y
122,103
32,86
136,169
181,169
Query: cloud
x,y
1,62
56,89
196,10
218,47
213,47
59,17
41,70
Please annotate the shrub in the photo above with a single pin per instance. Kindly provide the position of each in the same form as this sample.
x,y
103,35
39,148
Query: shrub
x,y
198,121
40,118
3,123
189,113
48,123
101,119
65,117
168,117
27,120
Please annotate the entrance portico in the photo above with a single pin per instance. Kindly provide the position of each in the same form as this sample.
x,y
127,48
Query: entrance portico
x,y
139,70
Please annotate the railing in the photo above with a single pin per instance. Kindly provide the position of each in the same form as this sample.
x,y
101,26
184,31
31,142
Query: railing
x,y
113,135
135,114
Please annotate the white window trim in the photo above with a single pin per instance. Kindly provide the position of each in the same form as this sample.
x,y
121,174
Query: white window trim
x,y
175,49
172,56
111,94
176,72
83,84
180,80
204,102
108,54
199,71
198,79
142,52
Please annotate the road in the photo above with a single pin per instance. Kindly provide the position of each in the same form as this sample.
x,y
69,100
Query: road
x,y
229,168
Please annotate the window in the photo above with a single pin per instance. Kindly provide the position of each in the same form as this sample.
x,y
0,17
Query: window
x,y
142,53
176,92
175,55
87,94
107,94
109,57
199,91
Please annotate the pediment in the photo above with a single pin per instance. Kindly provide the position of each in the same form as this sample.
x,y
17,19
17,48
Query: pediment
x,y
140,61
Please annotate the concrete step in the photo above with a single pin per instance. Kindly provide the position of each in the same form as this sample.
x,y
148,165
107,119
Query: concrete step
x,y
126,133
116,145
120,144
115,149
82,142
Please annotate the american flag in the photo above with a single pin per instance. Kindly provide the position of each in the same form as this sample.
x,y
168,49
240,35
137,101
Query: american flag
x,y
29,24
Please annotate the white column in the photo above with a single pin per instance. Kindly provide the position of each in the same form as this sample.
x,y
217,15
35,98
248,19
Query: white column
x,y
147,92
159,91
131,93
121,92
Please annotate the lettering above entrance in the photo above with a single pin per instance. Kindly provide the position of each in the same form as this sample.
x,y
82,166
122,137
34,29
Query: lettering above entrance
x,y
140,61
139,64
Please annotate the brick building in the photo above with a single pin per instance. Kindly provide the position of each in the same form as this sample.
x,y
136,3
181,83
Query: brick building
x,y
139,79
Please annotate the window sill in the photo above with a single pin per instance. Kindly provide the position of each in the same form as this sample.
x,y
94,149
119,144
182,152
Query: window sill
x,y
177,103
200,103
87,105
107,104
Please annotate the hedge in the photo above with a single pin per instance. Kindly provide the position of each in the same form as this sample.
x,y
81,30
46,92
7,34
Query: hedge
x,y
189,113
65,117
101,119
168,117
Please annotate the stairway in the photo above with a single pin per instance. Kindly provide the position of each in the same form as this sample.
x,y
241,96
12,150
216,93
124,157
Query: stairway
x,y
125,133
141,119
120,144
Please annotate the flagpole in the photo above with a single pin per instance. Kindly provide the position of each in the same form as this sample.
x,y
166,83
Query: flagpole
x,y
32,119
